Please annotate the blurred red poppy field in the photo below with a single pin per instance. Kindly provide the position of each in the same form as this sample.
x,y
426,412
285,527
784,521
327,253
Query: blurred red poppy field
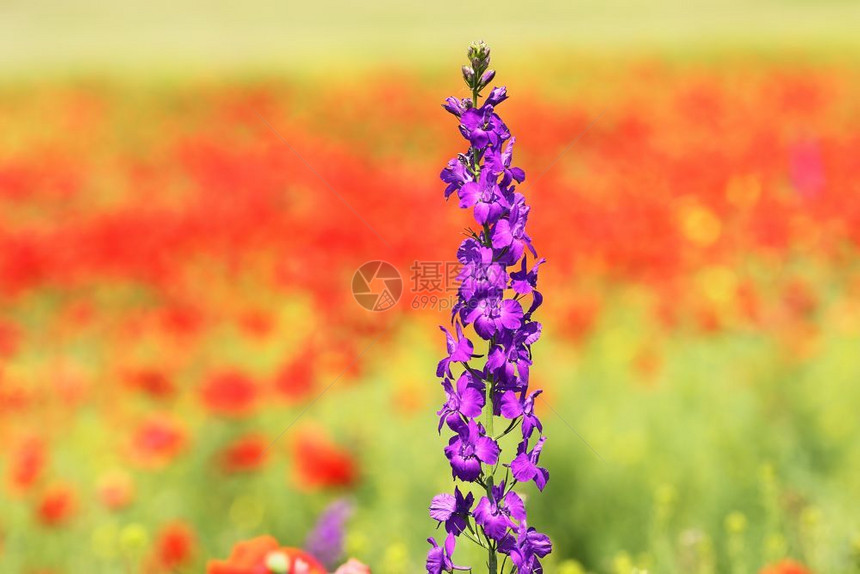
x,y
184,369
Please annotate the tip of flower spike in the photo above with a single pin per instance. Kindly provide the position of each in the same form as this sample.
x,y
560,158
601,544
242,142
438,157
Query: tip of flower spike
x,y
479,52
476,74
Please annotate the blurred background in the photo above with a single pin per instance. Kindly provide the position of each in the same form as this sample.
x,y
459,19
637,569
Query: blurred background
x,y
186,189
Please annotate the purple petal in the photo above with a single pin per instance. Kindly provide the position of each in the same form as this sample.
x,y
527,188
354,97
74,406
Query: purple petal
x,y
471,402
469,194
482,211
522,468
450,543
502,236
487,450
515,505
442,507
511,407
485,327
496,358
463,351
443,367
511,314
541,478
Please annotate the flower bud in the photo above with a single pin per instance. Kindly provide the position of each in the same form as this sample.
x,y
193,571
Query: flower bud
x,y
487,77
453,106
468,74
497,96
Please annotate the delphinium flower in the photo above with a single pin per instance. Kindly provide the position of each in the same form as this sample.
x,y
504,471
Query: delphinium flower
x,y
325,541
497,297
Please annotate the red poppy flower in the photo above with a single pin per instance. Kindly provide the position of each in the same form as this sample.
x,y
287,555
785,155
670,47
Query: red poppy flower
x,y
175,545
319,463
245,454
786,567
296,380
257,324
27,463
157,441
151,382
229,394
252,556
57,505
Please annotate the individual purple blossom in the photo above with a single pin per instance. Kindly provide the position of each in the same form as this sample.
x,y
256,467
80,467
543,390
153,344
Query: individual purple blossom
x,y
510,358
524,282
512,407
455,175
452,509
468,449
479,273
464,400
493,314
485,196
325,541
525,466
439,558
495,516
459,351
529,546
482,126
509,234
457,106
499,163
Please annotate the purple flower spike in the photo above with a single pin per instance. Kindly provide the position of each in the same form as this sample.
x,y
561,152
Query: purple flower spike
x,y
496,284
325,541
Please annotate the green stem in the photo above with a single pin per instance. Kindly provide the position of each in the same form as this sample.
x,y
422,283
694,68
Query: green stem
x,y
492,562
488,415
